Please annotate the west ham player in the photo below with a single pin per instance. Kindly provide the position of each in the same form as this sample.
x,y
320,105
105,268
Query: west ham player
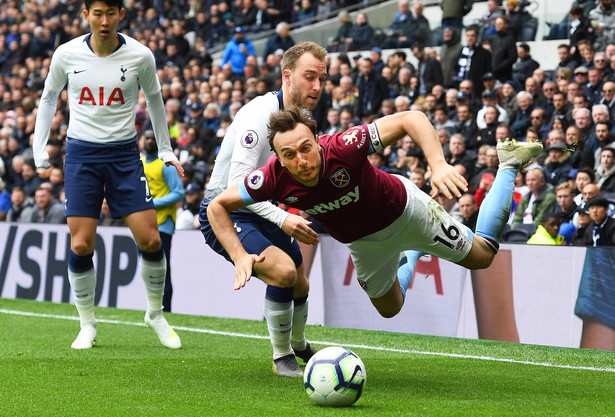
x,y
103,71
377,215
261,228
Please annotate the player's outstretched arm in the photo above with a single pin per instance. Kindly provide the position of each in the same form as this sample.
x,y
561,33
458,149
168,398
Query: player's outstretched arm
x,y
218,213
444,178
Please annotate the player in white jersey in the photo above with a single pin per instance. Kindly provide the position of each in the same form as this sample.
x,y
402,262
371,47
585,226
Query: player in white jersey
x,y
103,71
265,228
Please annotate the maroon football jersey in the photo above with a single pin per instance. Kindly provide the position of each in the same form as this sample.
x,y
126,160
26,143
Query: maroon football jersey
x,y
352,198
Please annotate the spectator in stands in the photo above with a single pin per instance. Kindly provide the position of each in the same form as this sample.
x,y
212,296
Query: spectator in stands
x,y
458,154
376,57
522,117
324,7
608,98
398,33
469,211
605,173
342,33
218,31
548,91
605,28
539,201
280,11
583,177
487,172
465,125
601,231
565,207
593,89
557,165
30,180
237,51
489,119
603,137
453,12
503,49
280,40
417,176
487,21
547,232
539,122
533,87
372,89
429,71
473,62
566,59
19,202
525,66
45,209
449,55
515,16
360,36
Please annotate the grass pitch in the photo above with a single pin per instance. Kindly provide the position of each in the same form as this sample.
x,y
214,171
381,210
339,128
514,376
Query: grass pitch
x,y
224,369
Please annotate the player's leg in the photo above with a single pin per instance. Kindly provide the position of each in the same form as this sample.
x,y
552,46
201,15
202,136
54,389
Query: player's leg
x,y
301,346
495,209
166,239
144,228
278,271
596,335
84,186
82,277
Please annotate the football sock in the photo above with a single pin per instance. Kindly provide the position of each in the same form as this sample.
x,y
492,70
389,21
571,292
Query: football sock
x,y
405,272
153,272
82,278
495,209
300,314
279,316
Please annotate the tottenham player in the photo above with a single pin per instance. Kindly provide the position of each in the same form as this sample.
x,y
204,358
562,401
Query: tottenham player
x,y
103,71
331,179
262,228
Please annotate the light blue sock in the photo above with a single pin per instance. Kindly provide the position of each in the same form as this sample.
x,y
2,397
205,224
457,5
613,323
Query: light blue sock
x,y
495,209
405,272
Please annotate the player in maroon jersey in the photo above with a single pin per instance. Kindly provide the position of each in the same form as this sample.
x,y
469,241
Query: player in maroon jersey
x,y
376,214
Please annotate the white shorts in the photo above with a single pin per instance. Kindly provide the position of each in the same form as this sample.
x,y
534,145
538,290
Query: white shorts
x,y
424,226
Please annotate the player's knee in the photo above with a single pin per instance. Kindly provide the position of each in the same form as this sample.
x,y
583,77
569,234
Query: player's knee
x,y
303,286
286,276
150,244
389,311
81,247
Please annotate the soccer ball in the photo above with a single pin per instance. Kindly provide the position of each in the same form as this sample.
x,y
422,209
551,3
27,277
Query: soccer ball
x,y
334,377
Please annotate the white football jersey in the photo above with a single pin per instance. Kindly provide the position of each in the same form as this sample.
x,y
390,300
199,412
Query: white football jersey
x,y
246,147
102,94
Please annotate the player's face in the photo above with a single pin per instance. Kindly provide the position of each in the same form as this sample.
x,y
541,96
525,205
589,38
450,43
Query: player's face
x,y
306,81
103,20
298,151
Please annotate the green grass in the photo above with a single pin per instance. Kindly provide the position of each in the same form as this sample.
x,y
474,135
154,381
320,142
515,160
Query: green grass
x,y
129,373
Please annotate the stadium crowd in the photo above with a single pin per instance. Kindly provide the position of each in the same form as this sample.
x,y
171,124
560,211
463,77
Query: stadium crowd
x,y
475,92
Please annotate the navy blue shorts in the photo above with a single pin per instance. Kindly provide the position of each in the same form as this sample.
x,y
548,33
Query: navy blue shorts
x,y
255,233
121,181
596,299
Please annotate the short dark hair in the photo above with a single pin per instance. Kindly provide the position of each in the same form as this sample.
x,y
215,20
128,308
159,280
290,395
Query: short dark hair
x,y
598,200
288,119
111,3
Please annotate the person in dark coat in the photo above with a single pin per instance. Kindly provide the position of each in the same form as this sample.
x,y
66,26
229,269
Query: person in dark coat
x,y
504,51
429,70
373,89
473,61
281,40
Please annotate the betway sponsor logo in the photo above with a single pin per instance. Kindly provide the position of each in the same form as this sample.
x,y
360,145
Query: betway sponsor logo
x,y
351,197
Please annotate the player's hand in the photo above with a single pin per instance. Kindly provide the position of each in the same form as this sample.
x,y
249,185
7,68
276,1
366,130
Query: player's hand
x,y
178,167
299,228
243,268
446,180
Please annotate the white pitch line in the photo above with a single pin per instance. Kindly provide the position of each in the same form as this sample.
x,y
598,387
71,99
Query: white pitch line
x,y
327,343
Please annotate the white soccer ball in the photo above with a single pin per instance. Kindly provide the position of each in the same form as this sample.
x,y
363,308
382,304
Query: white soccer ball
x,y
334,377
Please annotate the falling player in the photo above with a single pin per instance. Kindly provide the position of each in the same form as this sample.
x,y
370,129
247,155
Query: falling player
x,y
377,215
103,71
